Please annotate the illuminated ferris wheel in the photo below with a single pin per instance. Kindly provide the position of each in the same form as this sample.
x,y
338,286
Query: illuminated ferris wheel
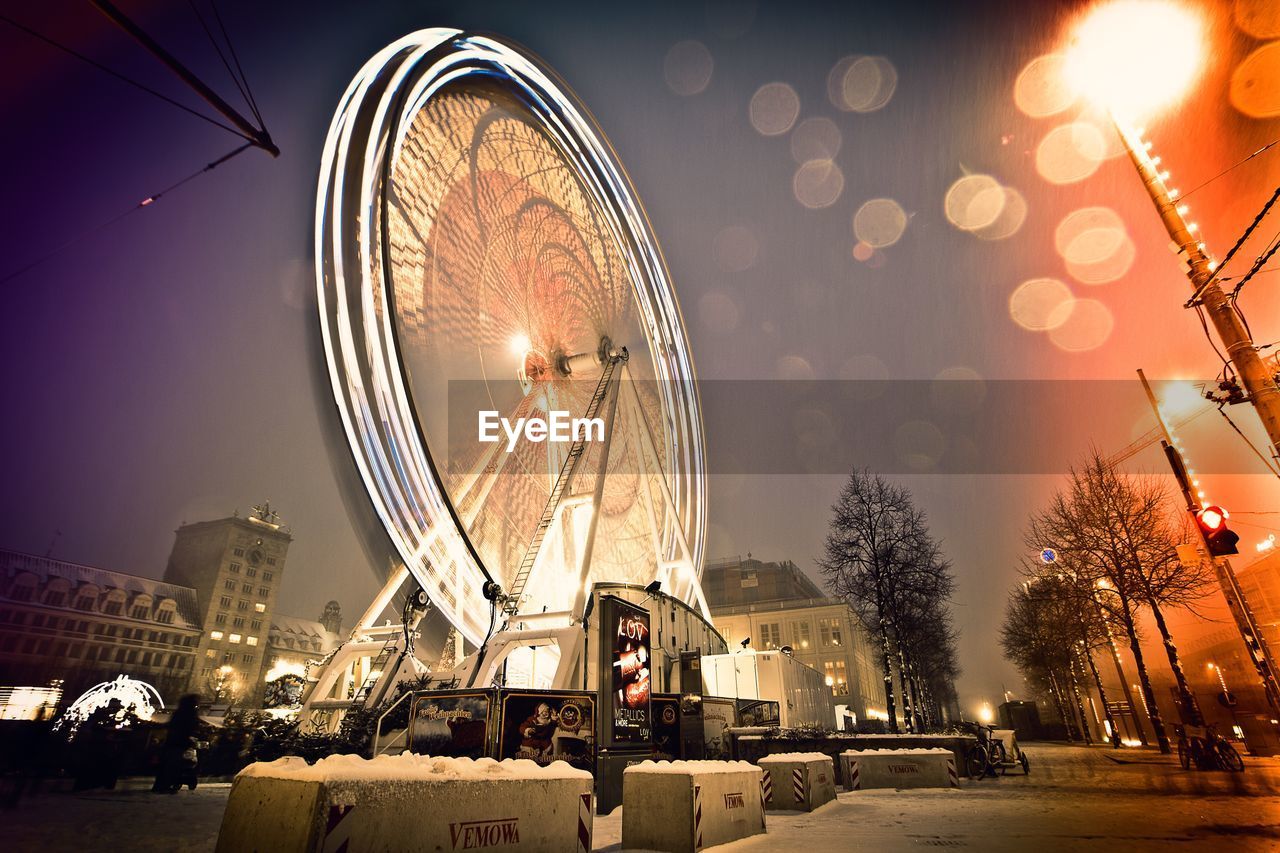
x,y
479,248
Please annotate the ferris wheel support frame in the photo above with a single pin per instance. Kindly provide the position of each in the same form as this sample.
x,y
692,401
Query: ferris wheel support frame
x,y
565,629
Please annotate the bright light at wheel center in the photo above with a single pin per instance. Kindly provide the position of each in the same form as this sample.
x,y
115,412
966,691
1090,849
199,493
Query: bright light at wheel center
x,y
520,344
1135,56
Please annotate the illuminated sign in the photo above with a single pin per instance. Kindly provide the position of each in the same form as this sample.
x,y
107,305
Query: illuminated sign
x,y
625,640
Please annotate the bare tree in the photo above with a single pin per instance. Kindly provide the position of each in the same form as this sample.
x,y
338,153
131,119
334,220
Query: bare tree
x,y
880,559
1114,535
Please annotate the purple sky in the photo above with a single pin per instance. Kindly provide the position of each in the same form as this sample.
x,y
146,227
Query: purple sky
x,y
163,368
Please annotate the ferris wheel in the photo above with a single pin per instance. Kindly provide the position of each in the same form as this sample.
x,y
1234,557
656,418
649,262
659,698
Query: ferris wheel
x,y
479,248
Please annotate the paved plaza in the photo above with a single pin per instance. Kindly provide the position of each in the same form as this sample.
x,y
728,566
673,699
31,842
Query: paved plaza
x,y
1075,799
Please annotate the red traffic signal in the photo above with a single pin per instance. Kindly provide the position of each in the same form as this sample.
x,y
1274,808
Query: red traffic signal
x,y
1220,538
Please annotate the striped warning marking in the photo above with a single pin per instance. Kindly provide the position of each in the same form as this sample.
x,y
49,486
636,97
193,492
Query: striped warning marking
x,y
337,830
584,824
697,817
766,787
797,784
855,783
952,774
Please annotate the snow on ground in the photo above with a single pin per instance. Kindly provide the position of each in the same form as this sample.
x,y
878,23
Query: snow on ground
x,y
409,768
1074,799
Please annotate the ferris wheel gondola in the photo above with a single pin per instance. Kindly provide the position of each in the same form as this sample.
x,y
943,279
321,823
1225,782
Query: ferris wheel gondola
x,y
479,247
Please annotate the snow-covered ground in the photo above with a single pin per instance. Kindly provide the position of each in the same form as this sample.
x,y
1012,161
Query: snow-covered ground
x,y
1075,799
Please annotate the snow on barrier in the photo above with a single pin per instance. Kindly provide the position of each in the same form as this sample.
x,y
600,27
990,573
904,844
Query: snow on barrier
x,y
684,806
346,804
799,781
899,768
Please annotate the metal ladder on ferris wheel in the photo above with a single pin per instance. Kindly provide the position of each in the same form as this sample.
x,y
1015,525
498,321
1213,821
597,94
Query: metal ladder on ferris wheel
x,y
512,604
376,668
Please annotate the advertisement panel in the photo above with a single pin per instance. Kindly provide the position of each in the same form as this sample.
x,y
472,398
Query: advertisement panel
x,y
666,728
759,712
624,641
455,723
546,726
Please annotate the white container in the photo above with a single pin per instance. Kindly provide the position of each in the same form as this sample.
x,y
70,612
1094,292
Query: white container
x,y
800,690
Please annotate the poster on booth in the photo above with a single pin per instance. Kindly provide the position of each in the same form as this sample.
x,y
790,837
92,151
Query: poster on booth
x,y
718,715
454,724
625,642
545,726
666,728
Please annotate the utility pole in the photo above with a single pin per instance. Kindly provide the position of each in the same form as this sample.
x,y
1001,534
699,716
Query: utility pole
x,y
1258,380
258,136
1259,653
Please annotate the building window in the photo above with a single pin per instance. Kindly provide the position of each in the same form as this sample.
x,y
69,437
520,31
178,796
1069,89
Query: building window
x,y
829,631
251,572
271,561
267,576
237,622
251,641
220,619
242,605
215,635
246,588
239,552
164,616
140,611
256,624
229,584
235,568
750,580
770,635
209,653
225,601
54,597
800,635
837,677
260,607
113,607
234,638
247,658
263,592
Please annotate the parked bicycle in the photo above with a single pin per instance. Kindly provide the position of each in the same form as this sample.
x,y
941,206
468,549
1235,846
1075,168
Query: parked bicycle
x,y
990,754
1206,749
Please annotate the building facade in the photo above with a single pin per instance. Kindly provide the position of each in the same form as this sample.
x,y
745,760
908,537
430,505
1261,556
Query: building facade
x,y
775,605
82,625
210,627
235,566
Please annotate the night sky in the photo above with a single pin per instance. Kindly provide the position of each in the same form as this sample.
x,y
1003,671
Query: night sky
x,y
163,368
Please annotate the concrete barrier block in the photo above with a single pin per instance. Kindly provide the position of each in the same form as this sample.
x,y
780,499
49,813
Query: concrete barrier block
x,y
899,768
348,803
798,781
684,806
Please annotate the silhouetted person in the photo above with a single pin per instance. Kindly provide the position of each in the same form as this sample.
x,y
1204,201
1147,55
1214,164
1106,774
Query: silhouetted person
x,y
178,756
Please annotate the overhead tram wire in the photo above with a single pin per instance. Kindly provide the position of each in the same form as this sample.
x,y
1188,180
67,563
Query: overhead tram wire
x,y
116,74
146,202
1261,150
242,82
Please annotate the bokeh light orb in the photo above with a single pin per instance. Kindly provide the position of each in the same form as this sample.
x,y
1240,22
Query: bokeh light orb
x,y
1095,245
1070,152
1135,56
869,83
815,138
719,312
974,202
879,223
1255,83
818,184
1040,304
773,109
1258,18
1041,88
1086,326
1013,213
687,68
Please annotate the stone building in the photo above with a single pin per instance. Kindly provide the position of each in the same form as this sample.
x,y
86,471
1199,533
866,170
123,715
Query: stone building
x,y
83,625
235,565
292,641
776,605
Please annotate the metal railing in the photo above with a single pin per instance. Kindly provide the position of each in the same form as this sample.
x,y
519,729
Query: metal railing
x,y
377,749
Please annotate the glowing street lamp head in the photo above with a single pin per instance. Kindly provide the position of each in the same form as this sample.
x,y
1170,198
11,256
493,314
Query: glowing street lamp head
x,y
1134,57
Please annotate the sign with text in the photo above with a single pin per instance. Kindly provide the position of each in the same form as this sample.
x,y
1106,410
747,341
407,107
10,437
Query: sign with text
x,y
548,725
451,723
624,639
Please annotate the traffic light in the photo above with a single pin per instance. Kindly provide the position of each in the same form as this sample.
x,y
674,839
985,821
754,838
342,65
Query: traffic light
x,y
1220,538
